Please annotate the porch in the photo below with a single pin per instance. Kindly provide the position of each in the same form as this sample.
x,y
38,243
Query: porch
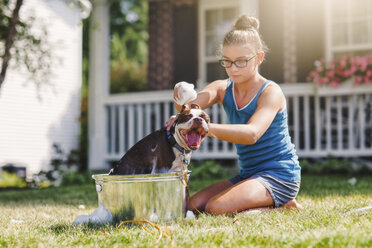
x,y
322,122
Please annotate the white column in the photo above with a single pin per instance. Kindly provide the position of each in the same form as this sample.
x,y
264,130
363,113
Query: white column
x,y
99,77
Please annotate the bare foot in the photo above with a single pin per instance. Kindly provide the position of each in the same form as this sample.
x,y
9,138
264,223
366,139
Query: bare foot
x,y
292,204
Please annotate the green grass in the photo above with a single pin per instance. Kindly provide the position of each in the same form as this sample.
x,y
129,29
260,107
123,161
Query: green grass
x,y
47,217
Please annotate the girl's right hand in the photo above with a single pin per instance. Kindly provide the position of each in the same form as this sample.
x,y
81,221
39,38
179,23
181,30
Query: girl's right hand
x,y
184,93
169,123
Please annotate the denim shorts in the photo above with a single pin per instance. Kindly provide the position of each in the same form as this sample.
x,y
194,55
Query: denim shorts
x,y
281,191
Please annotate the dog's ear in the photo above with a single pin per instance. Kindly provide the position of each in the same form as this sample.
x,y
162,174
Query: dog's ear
x,y
195,106
185,107
206,117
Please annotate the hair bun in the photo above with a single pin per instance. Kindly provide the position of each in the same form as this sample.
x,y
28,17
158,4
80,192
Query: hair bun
x,y
246,22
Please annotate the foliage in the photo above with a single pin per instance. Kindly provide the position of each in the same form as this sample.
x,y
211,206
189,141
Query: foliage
x,y
37,58
208,170
341,69
57,178
43,218
127,74
11,180
76,178
332,165
129,51
64,170
128,20
83,119
61,158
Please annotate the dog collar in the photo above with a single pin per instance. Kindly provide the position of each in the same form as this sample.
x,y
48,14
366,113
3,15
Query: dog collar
x,y
174,143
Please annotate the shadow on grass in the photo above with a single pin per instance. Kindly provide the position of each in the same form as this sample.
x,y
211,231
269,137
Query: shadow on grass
x,y
61,229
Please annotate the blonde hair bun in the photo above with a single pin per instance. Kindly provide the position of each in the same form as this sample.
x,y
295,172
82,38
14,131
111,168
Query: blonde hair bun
x,y
245,22
245,32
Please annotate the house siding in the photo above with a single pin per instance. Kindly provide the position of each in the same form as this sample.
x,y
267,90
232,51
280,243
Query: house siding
x,y
34,118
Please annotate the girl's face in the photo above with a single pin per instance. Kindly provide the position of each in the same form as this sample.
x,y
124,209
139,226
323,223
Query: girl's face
x,y
241,54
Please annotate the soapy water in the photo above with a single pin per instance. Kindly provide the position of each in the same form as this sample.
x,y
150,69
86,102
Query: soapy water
x,y
100,216
190,215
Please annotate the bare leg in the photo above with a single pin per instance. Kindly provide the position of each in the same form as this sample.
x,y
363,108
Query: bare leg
x,y
200,199
244,195
226,198
292,204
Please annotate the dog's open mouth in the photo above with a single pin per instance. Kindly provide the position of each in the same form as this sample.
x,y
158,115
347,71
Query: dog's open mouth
x,y
193,137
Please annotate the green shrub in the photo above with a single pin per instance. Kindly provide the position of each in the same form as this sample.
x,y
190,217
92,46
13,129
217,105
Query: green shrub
x,y
208,170
332,165
8,180
65,170
76,178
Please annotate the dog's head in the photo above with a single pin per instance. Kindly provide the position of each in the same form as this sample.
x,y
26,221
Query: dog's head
x,y
191,127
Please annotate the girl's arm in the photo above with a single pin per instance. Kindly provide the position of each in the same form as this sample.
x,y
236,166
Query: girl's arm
x,y
211,94
271,101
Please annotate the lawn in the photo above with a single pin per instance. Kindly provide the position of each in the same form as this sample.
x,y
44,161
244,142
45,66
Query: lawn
x,y
43,218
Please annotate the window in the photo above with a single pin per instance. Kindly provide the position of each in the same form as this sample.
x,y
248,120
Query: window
x,y
216,19
349,27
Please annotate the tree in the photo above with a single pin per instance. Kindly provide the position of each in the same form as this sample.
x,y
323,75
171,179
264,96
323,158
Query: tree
x,y
129,50
16,34
9,39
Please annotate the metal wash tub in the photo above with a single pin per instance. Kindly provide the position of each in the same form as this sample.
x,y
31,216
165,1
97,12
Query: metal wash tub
x,y
153,197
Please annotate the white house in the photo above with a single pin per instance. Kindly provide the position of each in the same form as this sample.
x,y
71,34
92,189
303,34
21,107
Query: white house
x,y
33,119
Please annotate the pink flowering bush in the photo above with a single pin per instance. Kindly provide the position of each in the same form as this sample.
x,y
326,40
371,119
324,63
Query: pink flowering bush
x,y
339,70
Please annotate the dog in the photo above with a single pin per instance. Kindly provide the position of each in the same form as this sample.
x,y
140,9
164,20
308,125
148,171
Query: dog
x,y
166,151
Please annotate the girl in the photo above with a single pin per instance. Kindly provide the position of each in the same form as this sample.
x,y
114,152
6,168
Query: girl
x,y
256,108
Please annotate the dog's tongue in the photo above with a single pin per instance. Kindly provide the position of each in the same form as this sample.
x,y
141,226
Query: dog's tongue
x,y
193,140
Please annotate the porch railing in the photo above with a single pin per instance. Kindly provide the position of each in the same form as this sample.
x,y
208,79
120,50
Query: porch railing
x,y
322,122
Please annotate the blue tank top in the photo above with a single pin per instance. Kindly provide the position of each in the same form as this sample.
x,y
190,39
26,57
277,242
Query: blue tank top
x,y
273,153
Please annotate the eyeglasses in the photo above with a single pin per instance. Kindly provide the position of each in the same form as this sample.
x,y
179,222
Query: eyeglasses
x,y
241,63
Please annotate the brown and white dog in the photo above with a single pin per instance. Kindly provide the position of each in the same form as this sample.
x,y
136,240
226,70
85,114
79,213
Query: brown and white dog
x,y
166,151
